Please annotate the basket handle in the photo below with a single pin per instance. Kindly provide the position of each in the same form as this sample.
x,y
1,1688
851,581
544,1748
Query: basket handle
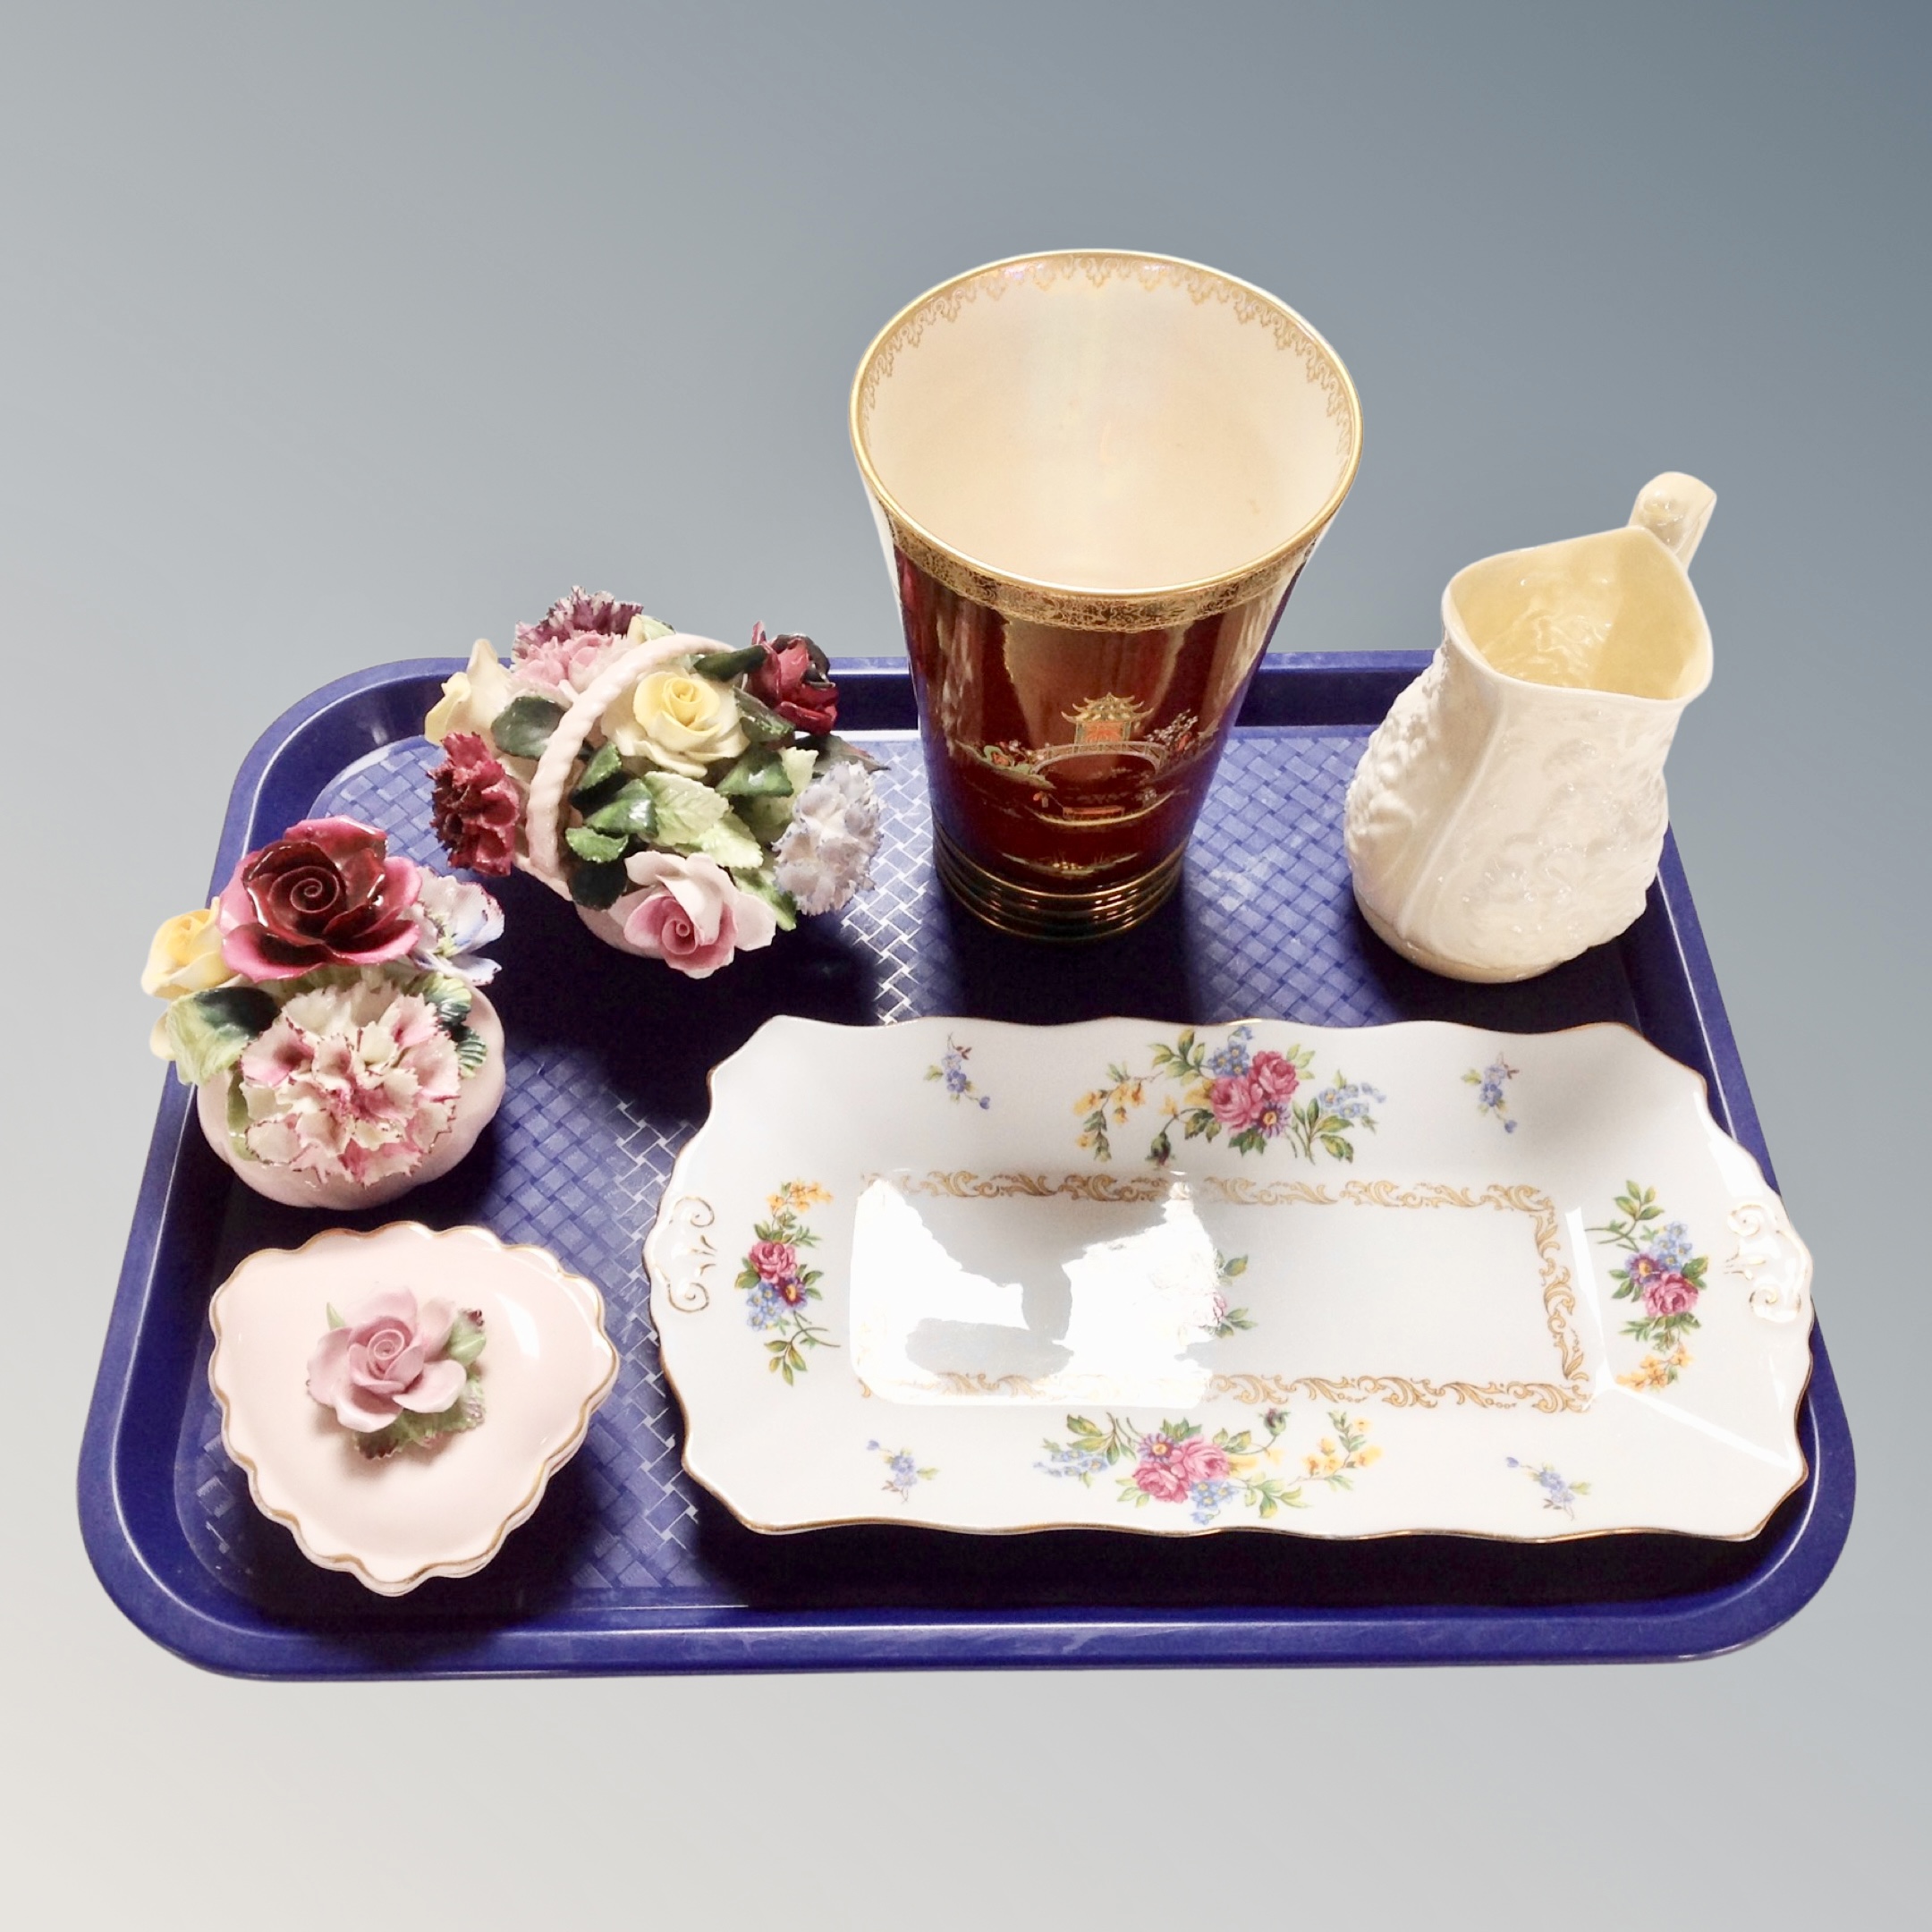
x,y
544,811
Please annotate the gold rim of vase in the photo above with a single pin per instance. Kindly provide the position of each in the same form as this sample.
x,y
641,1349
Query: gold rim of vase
x,y
1157,607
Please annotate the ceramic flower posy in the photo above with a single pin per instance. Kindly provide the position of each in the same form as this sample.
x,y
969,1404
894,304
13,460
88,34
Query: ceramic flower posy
x,y
329,987
397,1372
691,800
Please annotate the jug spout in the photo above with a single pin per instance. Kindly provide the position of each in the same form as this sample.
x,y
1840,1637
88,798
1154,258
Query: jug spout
x,y
1675,509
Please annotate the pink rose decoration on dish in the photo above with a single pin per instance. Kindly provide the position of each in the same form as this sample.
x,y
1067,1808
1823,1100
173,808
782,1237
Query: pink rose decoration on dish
x,y
1233,1102
1168,1470
690,913
1273,1077
772,1260
325,893
393,1367
793,682
1668,1293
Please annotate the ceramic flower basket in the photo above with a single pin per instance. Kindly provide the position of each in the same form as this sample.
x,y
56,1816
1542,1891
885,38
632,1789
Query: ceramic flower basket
x,y
690,799
325,1008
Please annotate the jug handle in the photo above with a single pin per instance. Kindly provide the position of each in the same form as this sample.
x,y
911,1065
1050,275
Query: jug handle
x,y
1675,508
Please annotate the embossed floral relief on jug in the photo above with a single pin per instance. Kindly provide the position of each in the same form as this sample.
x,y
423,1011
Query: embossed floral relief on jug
x,y
1510,812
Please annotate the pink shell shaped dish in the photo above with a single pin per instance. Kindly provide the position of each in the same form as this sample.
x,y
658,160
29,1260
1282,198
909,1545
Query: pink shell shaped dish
x,y
477,1099
438,1508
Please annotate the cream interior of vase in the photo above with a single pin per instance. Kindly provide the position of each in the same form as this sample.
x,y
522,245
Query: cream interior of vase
x,y
1112,435
1613,613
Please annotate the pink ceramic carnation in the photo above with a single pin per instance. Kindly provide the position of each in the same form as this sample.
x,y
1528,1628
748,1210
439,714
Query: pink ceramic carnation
x,y
358,1082
1168,1469
326,893
568,648
387,1356
690,913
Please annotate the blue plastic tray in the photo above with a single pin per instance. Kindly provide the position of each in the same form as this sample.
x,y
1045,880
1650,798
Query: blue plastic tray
x,y
628,1566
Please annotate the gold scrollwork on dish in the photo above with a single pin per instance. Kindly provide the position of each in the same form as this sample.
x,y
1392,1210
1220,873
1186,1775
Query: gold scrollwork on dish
x,y
690,1254
1570,1392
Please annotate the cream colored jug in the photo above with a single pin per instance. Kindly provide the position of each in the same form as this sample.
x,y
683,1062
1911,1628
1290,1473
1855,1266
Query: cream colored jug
x,y
1509,810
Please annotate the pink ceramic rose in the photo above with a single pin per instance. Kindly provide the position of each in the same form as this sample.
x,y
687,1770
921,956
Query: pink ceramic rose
x,y
388,1356
690,913
1168,1469
1668,1294
326,893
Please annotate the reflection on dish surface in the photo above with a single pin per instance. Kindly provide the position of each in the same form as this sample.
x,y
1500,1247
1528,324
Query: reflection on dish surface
x,y
1103,1301
1038,1288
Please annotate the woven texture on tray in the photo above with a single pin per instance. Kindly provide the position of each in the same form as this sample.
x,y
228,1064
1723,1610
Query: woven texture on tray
x,y
1264,924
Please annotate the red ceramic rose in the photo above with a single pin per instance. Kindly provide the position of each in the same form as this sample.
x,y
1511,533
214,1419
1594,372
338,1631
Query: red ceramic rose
x,y
474,806
325,893
793,682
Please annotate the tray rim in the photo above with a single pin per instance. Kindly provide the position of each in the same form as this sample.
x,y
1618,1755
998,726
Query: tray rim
x,y
164,1592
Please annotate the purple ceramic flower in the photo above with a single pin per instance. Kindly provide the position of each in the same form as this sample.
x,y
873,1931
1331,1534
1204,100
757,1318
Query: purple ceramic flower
x,y
388,1355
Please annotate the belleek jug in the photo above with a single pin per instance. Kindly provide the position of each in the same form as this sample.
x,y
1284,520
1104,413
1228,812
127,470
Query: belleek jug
x,y
1509,810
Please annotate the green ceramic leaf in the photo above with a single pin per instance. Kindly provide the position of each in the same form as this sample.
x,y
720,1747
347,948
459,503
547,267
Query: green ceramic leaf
x,y
522,728
761,773
588,843
762,725
726,665
686,808
466,1340
604,765
598,884
730,843
208,1031
781,902
631,811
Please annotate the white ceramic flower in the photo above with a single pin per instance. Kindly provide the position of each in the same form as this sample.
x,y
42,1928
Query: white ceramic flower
x,y
678,720
473,697
824,854
455,919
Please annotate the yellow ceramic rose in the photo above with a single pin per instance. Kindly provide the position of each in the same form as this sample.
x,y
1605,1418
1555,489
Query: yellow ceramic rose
x,y
184,957
680,721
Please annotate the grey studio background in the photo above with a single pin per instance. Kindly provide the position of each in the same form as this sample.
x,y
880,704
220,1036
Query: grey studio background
x,y
349,334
